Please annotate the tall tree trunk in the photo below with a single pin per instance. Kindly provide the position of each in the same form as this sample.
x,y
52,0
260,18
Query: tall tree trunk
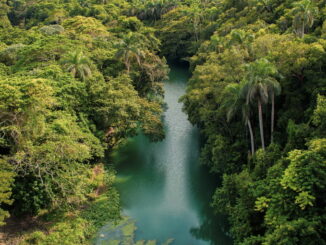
x,y
252,142
302,29
272,117
261,125
127,64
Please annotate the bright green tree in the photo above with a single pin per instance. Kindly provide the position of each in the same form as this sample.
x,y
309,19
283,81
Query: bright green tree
x,y
129,50
259,84
6,181
304,16
232,102
78,65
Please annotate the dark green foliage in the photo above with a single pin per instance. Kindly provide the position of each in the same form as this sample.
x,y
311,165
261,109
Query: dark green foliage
x,y
30,195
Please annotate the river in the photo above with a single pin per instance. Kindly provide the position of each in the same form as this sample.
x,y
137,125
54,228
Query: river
x,y
164,187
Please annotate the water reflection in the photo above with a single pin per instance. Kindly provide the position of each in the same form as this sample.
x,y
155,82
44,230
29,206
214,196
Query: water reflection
x,y
162,185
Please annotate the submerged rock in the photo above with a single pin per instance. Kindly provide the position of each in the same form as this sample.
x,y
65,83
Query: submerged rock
x,y
116,234
122,233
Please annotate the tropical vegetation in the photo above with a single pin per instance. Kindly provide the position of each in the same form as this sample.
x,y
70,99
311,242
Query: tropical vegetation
x,y
77,78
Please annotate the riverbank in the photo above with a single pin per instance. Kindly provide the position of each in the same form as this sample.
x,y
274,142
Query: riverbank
x,y
163,181
75,225
96,221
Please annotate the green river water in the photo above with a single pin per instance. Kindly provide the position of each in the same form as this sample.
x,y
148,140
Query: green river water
x,y
162,185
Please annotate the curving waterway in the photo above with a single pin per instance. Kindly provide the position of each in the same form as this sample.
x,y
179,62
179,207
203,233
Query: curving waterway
x,y
163,187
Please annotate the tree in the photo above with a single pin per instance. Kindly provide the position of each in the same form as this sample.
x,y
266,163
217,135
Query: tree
x,y
177,32
4,9
259,84
47,146
78,65
152,10
304,14
129,49
233,100
319,116
242,38
274,88
86,27
195,16
6,180
294,201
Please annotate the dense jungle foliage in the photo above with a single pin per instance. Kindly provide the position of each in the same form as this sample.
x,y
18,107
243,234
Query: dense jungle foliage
x,y
78,77
258,94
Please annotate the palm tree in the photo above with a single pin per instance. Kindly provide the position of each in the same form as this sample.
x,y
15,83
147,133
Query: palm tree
x,y
274,88
128,49
304,13
267,4
78,65
153,10
241,38
195,15
259,85
216,43
233,100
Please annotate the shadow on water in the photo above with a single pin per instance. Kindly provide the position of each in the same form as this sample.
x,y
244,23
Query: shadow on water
x,y
162,185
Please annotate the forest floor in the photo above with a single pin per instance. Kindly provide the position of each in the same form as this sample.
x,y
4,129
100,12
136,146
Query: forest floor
x,y
17,228
13,232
